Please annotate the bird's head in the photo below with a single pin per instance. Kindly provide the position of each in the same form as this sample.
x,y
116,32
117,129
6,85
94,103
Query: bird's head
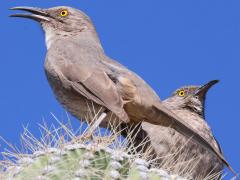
x,y
61,18
190,97
58,21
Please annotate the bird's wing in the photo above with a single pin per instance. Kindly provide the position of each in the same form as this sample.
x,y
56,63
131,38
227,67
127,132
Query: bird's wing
x,y
94,84
172,120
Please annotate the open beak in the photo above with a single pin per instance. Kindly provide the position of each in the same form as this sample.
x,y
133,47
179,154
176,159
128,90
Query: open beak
x,y
204,89
37,13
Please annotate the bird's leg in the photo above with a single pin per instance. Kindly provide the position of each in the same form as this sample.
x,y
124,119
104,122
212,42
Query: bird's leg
x,y
94,126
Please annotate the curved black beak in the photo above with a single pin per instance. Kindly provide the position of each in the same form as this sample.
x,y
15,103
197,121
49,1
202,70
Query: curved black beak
x,y
37,13
204,89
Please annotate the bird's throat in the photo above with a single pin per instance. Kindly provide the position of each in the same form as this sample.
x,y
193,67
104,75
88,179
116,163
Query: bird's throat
x,y
49,38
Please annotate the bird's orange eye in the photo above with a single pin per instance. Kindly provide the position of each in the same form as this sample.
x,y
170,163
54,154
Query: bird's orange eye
x,y
64,13
181,93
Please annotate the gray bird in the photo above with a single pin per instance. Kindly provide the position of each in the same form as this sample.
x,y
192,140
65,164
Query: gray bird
x,y
188,103
80,73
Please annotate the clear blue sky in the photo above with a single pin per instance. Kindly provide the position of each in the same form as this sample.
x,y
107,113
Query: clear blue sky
x,y
168,43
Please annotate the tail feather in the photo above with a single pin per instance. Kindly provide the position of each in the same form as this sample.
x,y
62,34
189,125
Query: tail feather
x,y
165,117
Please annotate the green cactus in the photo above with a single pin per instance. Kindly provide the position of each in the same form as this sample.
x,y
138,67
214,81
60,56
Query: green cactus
x,y
62,154
78,161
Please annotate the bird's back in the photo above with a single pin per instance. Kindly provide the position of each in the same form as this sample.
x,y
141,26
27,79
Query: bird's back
x,y
86,52
167,143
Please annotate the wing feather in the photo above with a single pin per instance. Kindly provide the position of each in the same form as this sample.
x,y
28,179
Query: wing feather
x,y
95,85
179,125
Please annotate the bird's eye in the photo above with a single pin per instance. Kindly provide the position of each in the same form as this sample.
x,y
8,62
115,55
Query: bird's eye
x,y
64,13
181,93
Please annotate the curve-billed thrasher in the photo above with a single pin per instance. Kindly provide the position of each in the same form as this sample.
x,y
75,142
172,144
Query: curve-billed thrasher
x,y
188,103
79,72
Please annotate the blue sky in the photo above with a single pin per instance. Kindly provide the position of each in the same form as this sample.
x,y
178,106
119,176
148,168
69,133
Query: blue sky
x,y
168,43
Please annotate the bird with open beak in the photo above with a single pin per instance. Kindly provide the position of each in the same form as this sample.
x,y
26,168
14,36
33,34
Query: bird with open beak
x,y
80,73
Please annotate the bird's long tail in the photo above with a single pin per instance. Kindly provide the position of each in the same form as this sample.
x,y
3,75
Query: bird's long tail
x,y
160,115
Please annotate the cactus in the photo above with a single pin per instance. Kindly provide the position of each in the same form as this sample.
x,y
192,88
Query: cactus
x,y
62,154
79,161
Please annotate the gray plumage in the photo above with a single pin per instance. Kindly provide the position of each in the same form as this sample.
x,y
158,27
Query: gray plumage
x,y
188,103
79,72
